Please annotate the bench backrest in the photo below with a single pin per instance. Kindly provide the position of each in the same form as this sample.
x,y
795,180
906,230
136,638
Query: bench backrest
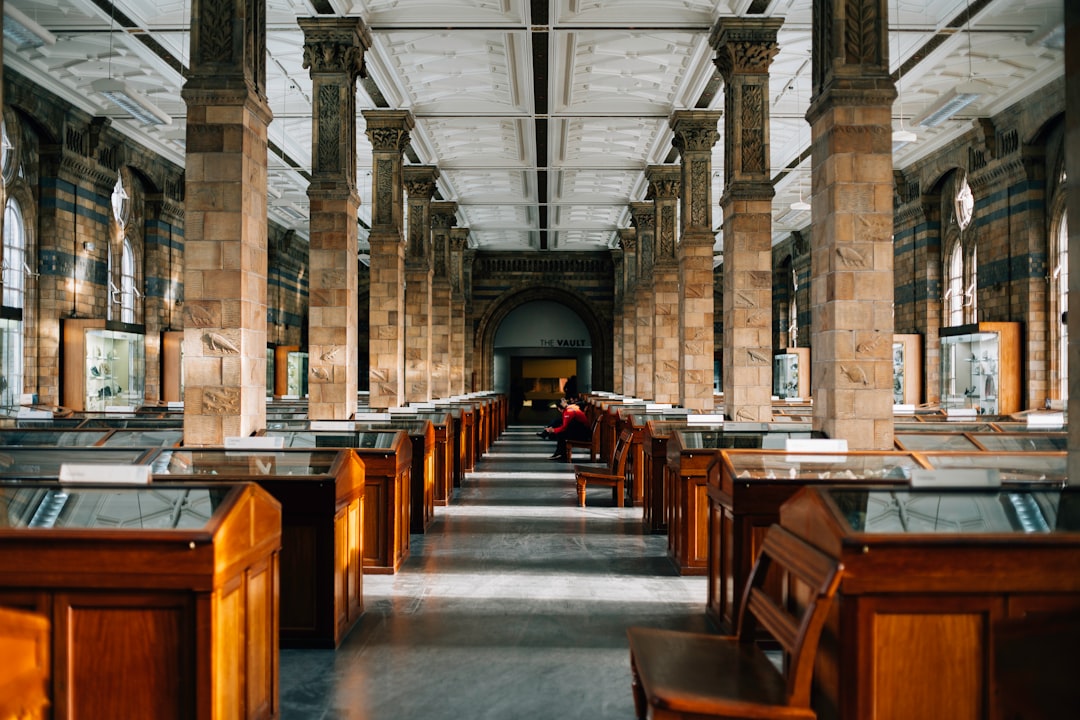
x,y
618,456
796,619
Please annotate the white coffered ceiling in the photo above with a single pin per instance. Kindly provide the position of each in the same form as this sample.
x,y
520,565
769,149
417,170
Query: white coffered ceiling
x,y
541,125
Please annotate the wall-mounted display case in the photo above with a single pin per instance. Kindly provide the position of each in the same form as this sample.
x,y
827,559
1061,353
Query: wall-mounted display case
x,y
104,366
297,374
791,373
980,367
907,369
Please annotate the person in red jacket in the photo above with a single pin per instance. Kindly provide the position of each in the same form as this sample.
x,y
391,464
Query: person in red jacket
x,y
575,426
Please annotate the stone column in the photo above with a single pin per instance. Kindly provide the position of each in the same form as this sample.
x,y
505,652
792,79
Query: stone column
x,y
695,134
334,55
443,218
851,243
461,353
627,307
225,223
745,47
664,190
643,215
616,320
420,187
388,131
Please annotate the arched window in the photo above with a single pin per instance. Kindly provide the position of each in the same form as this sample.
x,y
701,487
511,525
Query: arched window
x,y
1061,292
11,329
127,284
954,295
14,255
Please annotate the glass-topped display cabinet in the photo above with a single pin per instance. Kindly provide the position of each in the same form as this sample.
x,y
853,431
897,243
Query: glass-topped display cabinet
x,y
907,369
178,581
980,368
45,463
1013,468
322,512
936,571
104,365
819,466
245,463
51,437
791,373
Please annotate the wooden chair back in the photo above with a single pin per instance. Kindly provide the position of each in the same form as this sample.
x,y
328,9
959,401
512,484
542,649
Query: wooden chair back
x,y
796,630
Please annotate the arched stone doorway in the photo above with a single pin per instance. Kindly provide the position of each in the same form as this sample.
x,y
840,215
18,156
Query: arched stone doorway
x,y
549,313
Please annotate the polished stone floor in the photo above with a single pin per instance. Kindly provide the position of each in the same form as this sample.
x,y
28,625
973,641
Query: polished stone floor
x,y
513,606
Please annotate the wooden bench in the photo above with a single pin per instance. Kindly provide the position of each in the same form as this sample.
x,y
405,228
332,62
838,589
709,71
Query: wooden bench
x,y
613,474
699,675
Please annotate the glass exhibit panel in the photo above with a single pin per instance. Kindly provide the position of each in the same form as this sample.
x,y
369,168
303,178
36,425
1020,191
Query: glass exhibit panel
x,y
719,439
898,372
46,462
269,371
1022,441
130,422
786,375
52,438
907,511
1012,467
969,371
821,466
11,362
341,439
241,463
127,508
115,369
297,374
942,427
145,438
936,441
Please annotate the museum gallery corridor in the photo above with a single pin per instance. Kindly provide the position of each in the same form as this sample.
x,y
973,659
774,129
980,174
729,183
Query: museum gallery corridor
x,y
514,605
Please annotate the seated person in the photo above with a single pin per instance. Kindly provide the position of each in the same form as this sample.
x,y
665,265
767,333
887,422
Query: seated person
x,y
574,426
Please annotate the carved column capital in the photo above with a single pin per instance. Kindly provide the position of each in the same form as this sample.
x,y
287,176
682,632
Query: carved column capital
x,y
745,45
388,130
664,181
335,45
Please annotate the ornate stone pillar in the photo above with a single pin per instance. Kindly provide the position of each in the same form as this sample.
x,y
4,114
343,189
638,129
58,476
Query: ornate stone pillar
x,y
745,47
664,189
443,218
461,344
334,55
420,187
851,244
627,306
695,134
388,131
643,215
225,223
617,338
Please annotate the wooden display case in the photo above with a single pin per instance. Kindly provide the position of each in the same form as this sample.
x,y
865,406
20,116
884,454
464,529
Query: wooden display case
x,y
162,599
172,366
422,474
928,575
322,517
690,451
907,362
442,424
980,368
103,364
387,459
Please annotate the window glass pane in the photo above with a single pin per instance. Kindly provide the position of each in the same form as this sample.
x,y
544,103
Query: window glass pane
x,y
14,255
11,362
